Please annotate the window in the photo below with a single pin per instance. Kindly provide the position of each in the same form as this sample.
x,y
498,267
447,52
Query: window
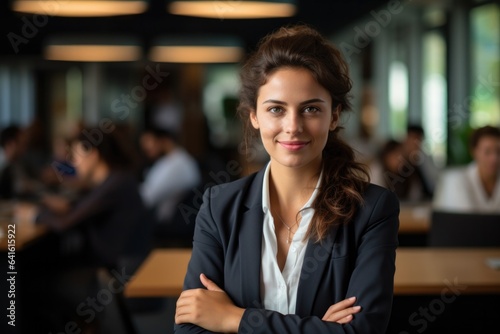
x,y
220,99
434,94
398,98
485,74
17,95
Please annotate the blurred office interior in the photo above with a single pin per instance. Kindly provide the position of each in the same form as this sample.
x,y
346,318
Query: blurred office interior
x,y
130,65
433,63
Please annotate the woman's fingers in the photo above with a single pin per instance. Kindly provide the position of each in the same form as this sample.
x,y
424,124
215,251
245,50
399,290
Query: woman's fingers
x,y
339,306
186,305
210,309
209,284
342,312
345,320
343,315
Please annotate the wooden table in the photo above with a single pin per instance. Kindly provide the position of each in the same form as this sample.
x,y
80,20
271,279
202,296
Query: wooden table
x,y
434,270
161,274
25,231
414,219
418,271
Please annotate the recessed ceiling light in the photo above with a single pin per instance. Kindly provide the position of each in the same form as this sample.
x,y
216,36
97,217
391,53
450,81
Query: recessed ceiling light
x,y
80,8
199,49
233,9
89,49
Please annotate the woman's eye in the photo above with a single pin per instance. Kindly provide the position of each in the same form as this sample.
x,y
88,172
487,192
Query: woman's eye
x,y
311,110
275,110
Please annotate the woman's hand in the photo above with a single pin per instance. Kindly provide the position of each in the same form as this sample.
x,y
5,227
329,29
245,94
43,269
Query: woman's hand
x,y
211,308
342,312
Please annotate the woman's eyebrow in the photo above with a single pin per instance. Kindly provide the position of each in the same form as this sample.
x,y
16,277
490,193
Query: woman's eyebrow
x,y
315,100
274,102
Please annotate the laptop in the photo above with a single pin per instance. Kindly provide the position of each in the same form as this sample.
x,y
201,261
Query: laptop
x,y
464,230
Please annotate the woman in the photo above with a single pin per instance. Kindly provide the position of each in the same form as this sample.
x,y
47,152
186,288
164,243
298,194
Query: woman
x,y
306,245
111,216
107,227
476,187
385,171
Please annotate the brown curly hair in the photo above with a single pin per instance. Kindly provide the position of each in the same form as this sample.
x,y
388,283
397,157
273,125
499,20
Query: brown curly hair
x,y
344,180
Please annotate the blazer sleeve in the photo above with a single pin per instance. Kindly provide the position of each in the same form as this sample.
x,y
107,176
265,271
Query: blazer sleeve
x,y
207,257
372,282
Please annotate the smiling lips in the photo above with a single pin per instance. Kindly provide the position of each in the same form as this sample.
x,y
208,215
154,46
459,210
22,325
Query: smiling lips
x,y
293,145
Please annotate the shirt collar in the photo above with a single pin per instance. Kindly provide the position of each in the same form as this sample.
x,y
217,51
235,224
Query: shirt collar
x,y
266,201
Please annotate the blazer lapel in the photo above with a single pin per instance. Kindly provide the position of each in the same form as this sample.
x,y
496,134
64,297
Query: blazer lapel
x,y
250,242
316,260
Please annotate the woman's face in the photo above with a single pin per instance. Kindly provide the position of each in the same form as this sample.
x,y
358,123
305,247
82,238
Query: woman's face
x,y
487,155
84,160
151,146
294,115
393,159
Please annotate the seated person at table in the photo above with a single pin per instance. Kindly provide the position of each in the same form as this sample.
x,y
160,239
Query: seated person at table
x,y
10,143
385,171
109,223
476,187
307,244
172,175
111,215
417,168
14,181
60,170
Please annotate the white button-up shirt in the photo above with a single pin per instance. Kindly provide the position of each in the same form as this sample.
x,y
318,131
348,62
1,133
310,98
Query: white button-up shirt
x,y
461,190
279,289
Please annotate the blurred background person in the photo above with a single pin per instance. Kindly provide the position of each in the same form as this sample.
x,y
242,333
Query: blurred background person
x,y
3,158
368,142
36,150
163,108
417,168
171,175
475,187
384,171
106,228
11,149
112,214
60,169
15,179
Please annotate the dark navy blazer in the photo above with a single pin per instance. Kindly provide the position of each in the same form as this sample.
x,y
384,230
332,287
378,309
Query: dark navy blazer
x,y
356,259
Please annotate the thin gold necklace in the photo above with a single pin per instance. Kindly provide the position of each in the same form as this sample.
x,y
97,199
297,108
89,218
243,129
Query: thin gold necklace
x,y
289,228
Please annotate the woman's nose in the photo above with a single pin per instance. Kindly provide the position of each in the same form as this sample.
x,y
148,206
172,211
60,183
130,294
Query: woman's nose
x,y
293,123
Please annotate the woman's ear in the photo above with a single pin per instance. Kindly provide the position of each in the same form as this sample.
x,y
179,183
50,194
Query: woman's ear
x,y
335,118
254,120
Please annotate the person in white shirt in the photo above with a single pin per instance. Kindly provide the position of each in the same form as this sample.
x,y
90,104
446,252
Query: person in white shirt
x,y
172,175
475,187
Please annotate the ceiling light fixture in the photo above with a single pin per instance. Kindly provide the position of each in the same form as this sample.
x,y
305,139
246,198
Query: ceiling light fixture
x,y
238,9
200,49
89,49
80,8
